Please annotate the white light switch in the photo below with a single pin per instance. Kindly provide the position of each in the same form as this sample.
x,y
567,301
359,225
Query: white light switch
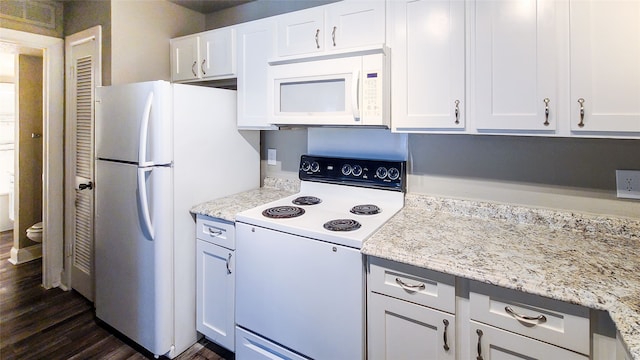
x,y
271,156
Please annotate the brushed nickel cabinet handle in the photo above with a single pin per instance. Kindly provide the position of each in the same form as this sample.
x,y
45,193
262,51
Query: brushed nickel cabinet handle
x,y
228,264
479,332
546,111
457,111
581,102
409,286
538,319
215,232
193,68
446,325
202,66
333,35
318,38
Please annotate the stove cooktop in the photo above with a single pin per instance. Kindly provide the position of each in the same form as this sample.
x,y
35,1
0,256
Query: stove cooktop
x,y
336,204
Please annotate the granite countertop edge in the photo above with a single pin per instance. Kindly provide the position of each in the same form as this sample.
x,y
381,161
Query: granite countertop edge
x,y
583,259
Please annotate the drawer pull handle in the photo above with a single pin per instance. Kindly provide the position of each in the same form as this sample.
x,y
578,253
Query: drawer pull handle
x,y
538,319
228,265
446,325
479,332
581,102
546,111
409,286
215,232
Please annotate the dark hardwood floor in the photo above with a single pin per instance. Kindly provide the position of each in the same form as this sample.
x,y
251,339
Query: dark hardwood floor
x,y
54,324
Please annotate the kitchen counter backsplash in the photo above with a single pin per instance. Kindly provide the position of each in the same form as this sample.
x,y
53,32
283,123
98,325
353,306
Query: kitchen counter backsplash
x,y
554,219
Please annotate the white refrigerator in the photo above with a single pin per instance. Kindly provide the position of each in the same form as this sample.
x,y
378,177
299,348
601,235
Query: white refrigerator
x,y
161,148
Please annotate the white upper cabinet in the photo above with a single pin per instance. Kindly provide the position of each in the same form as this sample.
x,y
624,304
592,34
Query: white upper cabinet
x,y
184,59
514,69
218,53
605,66
301,32
206,56
428,65
339,26
256,44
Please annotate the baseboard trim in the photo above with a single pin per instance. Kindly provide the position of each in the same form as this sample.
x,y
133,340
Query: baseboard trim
x,y
23,255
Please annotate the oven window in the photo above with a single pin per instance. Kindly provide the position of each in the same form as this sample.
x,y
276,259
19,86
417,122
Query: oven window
x,y
313,96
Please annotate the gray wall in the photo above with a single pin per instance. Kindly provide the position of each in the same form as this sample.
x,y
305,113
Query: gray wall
x,y
567,162
82,15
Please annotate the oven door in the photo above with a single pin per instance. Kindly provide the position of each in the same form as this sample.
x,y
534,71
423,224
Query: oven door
x,y
303,294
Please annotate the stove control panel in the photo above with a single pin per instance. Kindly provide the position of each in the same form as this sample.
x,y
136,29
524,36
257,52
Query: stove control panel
x,y
379,174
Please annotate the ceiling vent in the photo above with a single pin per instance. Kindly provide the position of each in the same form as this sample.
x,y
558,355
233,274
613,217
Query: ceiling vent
x,y
39,13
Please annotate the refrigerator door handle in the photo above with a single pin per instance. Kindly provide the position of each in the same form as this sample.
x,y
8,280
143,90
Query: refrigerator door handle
x,y
144,132
144,203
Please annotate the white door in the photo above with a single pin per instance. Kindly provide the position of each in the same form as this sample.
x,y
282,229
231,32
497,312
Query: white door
x,y
515,65
184,58
83,64
404,330
428,67
218,53
301,32
605,66
256,46
354,23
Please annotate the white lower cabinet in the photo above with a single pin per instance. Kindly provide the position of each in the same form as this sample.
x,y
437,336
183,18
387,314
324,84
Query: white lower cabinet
x,y
215,276
491,343
409,312
403,330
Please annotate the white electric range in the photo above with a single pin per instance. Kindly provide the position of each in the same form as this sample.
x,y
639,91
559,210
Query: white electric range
x,y
300,277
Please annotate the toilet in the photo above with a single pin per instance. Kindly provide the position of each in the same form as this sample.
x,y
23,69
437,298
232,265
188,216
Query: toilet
x,y
35,232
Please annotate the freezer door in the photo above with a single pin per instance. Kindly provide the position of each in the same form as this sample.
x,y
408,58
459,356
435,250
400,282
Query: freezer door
x,y
133,266
134,123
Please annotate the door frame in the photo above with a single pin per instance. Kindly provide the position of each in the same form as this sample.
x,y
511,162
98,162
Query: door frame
x,y
53,149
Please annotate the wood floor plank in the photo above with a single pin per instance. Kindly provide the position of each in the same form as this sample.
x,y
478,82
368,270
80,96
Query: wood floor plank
x,y
36,323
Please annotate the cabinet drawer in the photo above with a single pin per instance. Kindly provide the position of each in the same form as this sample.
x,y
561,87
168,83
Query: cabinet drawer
x,y
216,231
490,343
556,322
418,285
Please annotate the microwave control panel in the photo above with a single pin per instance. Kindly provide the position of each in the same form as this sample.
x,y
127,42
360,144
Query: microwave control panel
x,y
372,95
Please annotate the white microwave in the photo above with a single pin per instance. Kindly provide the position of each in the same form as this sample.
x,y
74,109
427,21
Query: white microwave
x,y
342,91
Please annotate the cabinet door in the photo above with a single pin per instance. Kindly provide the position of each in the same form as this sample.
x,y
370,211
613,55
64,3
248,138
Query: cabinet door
x,y
215,289
184,59
488,342
301,32
255,46
605,66
402,330
354,23
218,53
515,65
428,66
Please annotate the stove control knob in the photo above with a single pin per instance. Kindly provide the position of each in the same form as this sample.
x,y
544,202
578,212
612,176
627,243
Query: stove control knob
x,y
346,169
394,174
381,173
315,167
305,165
357,170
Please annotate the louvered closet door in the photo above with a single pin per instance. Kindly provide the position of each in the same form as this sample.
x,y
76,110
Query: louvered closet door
x,y
80,162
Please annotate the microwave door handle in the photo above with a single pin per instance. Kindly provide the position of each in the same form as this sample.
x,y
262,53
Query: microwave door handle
x,y
355,94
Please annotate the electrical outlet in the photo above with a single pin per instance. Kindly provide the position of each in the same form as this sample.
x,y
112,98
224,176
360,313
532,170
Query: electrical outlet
x,y
271,157
628,184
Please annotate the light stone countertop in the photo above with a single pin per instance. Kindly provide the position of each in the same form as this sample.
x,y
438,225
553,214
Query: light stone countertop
x,y
227,207
582,259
